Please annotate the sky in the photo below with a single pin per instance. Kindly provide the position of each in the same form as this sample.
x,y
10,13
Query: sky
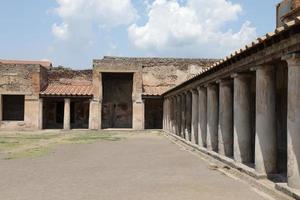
x,y
72,33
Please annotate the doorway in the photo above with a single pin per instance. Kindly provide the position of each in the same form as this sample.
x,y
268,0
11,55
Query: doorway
x,y
153,113
53,113
117,100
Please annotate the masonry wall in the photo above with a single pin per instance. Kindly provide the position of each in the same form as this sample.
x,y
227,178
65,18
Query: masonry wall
x,y
24,80
162,75
151,76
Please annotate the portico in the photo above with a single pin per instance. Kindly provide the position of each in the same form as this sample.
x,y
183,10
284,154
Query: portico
x,y
239,107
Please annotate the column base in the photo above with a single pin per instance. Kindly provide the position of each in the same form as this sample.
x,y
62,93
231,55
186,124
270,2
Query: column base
x,y
283,187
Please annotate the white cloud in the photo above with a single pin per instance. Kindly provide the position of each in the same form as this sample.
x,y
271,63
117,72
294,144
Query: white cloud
x,y
194,28
61,31
80,17
85,27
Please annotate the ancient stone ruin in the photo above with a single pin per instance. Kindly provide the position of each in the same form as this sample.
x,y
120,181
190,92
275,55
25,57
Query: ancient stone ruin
x,y
243,110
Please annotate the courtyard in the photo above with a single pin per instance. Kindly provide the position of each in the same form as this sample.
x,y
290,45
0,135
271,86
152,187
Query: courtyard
x,y
81,165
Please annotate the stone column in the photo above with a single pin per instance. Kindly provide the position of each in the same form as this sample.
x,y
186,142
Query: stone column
x,y
242,118
172,115
212,117
41,100
138,114
67,121
169,115
195,109
225,131
95,114
178,116
183,115
188,121
265,130
164,115
202,118
1,112
293,120
138,107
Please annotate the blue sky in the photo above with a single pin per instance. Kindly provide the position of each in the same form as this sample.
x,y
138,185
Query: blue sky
x,y
73,32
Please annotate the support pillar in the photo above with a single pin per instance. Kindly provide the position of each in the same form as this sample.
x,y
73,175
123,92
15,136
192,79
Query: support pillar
x,y
183,115
293,120
67,113
138,105
169,115
242,118
164,115
178,115
188,122
212,117
225,131
195,109
41,100
172,114
95,114
138,114
202,118
1,108
265,130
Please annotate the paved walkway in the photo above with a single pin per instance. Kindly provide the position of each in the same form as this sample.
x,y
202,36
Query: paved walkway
x,y
143,167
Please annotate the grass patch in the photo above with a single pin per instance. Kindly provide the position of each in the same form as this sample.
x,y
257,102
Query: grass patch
x,y
90,138
29,153
16,146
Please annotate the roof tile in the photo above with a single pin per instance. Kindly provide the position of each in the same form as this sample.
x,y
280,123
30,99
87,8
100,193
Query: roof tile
x,y
68,90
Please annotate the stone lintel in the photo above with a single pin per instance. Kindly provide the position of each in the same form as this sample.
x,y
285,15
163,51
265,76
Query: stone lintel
x,y
224,81
264,66
241,75
292,59
194,91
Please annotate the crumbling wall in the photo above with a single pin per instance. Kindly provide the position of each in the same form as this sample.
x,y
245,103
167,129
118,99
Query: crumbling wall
x,y
158,77
19,79
161,74
61,75
26,80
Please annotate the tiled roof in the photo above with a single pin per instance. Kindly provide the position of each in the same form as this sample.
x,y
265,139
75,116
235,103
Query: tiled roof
x,y
269,36
68,90
254,43
46,64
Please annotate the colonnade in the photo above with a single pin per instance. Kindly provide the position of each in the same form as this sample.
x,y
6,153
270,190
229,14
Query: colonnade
x,y
218,115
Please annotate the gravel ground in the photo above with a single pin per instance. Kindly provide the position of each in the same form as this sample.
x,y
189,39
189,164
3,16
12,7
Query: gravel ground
x,y
142,166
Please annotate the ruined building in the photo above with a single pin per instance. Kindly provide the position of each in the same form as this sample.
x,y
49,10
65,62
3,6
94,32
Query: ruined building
x,y
244,110
117,93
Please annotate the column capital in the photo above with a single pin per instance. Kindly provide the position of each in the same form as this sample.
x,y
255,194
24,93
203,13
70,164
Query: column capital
x,y
263,66
199,88
224,81
210,85
240,75
194,91
293,59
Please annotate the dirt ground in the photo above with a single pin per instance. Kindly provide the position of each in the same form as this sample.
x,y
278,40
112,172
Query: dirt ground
x,y
142,166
